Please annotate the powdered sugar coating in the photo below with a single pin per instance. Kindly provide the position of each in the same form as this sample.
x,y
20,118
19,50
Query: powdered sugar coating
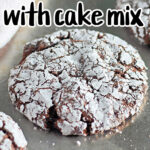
x,y
78,81
11,136
142,33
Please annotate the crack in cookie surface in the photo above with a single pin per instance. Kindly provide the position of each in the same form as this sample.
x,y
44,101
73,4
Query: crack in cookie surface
x,y
92,81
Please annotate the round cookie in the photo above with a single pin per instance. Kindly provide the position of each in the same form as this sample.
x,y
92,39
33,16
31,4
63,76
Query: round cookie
x,y
79,82
142,33
11,136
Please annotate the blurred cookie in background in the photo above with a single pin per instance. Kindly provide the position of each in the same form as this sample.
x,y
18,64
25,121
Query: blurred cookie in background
x,y
7,32
141,33
11,136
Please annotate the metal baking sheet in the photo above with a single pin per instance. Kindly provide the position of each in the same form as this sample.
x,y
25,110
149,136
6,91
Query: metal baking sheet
x,y
134,137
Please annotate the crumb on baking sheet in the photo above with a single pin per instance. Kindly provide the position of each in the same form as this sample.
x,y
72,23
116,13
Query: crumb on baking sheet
x,y
78,143
53,144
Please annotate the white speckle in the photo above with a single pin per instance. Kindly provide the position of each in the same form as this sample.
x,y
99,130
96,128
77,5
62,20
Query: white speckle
x,y
78,143
34,128
40,141
85,139
53,144
131,145
132,120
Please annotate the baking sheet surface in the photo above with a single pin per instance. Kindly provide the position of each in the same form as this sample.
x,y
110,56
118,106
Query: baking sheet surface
x,y
134,137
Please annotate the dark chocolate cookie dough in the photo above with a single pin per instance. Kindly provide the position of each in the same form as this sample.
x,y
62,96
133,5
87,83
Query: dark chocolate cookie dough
x,y
79,82
11,136
142,33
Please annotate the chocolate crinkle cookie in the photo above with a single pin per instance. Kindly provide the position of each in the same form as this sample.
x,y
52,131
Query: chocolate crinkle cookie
x,y
79,82
11,136
141,33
